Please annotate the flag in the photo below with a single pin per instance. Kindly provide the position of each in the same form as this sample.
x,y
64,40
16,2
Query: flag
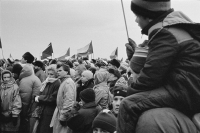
x,y
47,52
64,56
88,49
114,54
0,43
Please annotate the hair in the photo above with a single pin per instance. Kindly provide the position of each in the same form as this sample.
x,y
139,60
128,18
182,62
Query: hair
x,y
52,67
65,67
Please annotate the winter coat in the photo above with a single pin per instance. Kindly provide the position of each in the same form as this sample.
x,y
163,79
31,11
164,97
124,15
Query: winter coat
x,y
11,106
65,100
103,97
41,75
173,60
88,84
82,121
47,100
29,87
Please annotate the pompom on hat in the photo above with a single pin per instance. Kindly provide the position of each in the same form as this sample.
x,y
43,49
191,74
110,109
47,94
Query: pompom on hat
x,y
150,8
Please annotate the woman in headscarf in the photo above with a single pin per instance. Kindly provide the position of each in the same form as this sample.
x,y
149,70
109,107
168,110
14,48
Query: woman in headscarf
x,y
11,104
101,89
47,100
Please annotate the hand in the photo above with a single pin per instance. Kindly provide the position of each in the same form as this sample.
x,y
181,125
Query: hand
x,y
63,123
15,120
36,99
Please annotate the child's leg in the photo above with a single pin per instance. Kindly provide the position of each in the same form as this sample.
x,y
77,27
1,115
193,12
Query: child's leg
x,y
132,107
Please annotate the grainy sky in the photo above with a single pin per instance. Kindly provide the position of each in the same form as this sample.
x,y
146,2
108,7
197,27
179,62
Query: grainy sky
x,y
30,25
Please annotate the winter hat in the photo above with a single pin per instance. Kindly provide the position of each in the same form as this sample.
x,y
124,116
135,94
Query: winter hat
x,y
114,62
38,63
119,92
123,66
29,57
139,58
150,8
17,69
106,121
87,95
114,72
121,82
88,74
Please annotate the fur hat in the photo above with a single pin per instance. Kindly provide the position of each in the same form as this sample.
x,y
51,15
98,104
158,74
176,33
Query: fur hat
x,y
88,74
29,57
139,58
115,72
106,121
38,63
114,62
87,95
150,8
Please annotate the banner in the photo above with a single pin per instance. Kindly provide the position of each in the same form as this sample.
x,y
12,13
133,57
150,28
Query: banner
x,y
88,49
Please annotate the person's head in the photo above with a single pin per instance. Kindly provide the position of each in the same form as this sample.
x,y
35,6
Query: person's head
x,y
114,64
52,71
86,75
148,10
79,69
100,77
105,122
113,74
6,75
119,95
63,70
87,96
17,68
27,58
38,65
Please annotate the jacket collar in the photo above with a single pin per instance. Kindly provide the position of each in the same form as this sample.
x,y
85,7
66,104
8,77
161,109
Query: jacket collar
x,y
89,105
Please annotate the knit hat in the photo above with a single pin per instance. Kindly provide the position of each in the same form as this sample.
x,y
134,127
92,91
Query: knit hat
x,y
38,63
87,95
121,82
88,74
119,92
139,58
17,69
150,8
29,57
106,121
114,62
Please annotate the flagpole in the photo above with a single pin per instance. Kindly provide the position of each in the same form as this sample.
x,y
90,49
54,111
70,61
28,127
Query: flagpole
x,y
125,19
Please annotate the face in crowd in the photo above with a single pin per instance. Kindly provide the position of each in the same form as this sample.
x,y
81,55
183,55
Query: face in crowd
x,y
61,73
116,102
6,77
99,130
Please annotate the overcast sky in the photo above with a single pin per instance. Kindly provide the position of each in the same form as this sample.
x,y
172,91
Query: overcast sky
x,y
30,25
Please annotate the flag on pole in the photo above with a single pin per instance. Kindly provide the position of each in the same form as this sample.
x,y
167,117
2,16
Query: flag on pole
x,y
88,49
47,52
114,54
0,43
64,56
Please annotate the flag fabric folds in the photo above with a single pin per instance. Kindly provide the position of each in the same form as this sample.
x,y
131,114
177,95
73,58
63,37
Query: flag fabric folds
x,y
114,54
88,49
0,43
47,52
64,56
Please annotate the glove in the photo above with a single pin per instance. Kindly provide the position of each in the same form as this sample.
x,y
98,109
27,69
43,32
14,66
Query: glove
x,y
63,123
15,120
36,99
130,48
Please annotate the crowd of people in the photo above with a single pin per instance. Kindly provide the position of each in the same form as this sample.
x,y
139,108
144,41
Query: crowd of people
x,y
156,90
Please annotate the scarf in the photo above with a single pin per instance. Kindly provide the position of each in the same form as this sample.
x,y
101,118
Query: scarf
x,y
48,80
8,84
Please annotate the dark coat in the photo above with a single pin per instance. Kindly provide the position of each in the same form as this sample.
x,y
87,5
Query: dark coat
x,y
88,84
173,60
47,99
82,122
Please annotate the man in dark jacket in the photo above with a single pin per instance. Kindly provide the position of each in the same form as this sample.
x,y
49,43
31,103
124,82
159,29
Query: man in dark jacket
x,y
170,76
81,122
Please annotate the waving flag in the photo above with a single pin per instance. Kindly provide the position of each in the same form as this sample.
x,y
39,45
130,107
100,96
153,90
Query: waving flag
x,y
114,54
66,55
47,52
88,49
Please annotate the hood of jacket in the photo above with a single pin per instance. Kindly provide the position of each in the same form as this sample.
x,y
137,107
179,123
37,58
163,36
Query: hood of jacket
x,y
26,71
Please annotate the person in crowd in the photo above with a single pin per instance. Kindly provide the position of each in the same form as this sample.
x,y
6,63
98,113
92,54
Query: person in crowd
x,y
27,58
16,71
72,71
87,81
11,104
105,122
114,64
123,68
79,69
93,70
65,100
47,100
119,93
29,87
101,65
38,67
101,89
170,75
81,120
114,75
